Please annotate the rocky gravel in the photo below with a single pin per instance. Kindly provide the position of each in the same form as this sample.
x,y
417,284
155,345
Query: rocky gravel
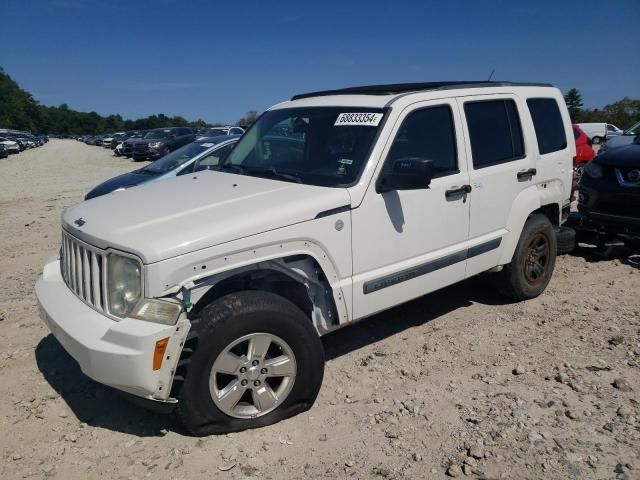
x,y
456,384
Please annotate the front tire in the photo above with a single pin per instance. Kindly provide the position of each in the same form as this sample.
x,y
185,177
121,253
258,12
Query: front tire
x,y
258,360
596,140
533,261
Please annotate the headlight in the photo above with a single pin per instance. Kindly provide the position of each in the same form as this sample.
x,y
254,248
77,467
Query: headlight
x,y
155,144
593,170
124,284
159,311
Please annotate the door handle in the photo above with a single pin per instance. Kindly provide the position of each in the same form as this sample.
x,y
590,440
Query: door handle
x,y
458,191
526,174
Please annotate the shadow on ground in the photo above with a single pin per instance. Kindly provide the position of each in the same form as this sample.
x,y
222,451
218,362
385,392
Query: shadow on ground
x,y
594,254
101,406
93,403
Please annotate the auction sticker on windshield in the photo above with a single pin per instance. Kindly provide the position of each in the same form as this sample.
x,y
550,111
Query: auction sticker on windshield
x,y
365,119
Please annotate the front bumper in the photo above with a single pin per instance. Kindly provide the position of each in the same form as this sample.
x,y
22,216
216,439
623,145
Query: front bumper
x,y
146,154
607,203
115,353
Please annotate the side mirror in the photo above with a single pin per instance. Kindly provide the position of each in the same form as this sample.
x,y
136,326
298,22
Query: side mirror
x,y
406,174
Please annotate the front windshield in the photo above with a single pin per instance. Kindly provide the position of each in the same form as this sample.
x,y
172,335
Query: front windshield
x,y
157,134
173,160
635,130
325,146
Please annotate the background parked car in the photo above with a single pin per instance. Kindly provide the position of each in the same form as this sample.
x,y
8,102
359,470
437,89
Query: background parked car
x,y
160,141
600,132
10,145
3,151
609,199
217,131
627,138
200,154
584,152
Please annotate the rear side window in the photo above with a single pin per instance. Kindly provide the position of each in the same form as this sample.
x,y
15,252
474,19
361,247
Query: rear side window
x,y
547,122
428,133
495,132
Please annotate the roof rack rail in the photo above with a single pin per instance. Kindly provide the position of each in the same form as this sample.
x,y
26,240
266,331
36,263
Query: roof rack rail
x,y
397,88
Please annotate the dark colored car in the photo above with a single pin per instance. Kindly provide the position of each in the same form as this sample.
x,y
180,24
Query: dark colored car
x,y
207,152
609,199
118,138
160,141
4,153
127,145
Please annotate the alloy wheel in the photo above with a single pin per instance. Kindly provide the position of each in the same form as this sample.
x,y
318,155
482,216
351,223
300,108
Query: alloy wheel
x,y
252,376
536,258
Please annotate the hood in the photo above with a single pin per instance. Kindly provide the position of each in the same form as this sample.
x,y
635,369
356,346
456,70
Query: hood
x,y
625,156
160,220
125,180
139,140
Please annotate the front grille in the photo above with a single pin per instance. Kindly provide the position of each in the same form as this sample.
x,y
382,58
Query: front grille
x,y
84,271
127,148
141,149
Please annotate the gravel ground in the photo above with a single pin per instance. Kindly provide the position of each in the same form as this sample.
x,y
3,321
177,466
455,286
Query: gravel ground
x,y
456,383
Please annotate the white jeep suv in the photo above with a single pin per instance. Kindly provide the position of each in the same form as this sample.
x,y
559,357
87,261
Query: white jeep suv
x,y
211,290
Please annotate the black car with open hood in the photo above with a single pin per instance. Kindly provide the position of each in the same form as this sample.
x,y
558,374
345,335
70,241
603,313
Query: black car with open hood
x,y
609,198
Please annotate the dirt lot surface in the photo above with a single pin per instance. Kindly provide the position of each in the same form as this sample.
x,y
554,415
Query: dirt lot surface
x,y
457,383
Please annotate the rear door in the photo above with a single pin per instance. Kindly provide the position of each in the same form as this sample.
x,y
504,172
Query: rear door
x,y
500,168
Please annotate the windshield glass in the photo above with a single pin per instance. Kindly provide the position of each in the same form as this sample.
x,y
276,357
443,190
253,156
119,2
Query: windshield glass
x,y
173,160
325,146
157,134
635,130
214,132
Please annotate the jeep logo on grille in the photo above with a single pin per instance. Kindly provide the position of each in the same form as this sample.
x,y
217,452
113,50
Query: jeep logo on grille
x,y
634,176
79,222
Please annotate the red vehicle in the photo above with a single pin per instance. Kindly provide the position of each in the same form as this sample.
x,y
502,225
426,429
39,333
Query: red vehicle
x,y
584,153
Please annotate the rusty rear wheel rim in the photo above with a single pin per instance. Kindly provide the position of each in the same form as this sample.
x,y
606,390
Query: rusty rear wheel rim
x,y
536,259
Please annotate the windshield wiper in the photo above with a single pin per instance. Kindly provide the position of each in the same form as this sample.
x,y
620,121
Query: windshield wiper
x,y
252,170
230,166
291,177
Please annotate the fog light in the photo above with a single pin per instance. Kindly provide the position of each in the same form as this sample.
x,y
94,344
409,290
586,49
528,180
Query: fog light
x,y
159,311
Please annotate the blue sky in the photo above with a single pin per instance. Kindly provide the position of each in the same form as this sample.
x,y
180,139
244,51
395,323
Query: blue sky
x,y
217,60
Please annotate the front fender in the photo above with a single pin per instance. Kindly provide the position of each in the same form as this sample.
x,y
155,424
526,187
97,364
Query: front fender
x,y
331,249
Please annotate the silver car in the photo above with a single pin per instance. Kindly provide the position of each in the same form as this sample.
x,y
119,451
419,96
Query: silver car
x,y
205,153
626,138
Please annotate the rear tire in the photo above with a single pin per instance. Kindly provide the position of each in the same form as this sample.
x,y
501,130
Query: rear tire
x,y
228,326
596,140
533,261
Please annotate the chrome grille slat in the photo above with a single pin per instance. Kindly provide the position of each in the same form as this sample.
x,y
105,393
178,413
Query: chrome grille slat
x,y
96,281
84,271
72,264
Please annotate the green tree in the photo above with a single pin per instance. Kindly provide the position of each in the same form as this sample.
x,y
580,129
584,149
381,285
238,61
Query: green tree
x,y
250,117
573,99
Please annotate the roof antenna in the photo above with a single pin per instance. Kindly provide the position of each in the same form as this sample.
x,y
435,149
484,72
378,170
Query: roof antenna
x,y
491,76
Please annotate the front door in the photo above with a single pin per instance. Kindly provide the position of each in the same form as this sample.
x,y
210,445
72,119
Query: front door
x,y
411,242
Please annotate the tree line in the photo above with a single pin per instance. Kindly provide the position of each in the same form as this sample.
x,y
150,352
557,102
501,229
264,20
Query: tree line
x,y
623,113
20,111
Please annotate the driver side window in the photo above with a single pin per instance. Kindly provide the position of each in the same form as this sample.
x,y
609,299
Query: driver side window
x,y
428,133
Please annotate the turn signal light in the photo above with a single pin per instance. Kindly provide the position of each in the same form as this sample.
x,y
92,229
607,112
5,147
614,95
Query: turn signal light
x,y
158,353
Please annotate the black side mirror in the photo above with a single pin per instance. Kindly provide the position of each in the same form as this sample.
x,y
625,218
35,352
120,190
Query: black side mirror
x,y
200,168
406,174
